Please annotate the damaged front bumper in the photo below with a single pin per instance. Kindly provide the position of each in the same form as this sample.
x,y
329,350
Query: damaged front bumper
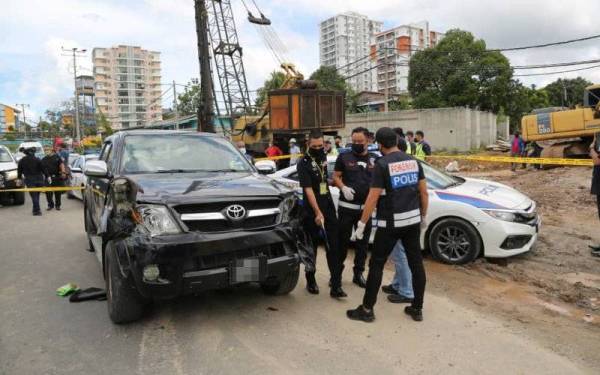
x,y
194,262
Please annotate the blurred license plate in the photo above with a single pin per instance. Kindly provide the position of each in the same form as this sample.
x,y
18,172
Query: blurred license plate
x,y
248,270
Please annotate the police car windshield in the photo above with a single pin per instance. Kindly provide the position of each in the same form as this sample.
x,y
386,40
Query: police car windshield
x,y
181,153
439,180
5,156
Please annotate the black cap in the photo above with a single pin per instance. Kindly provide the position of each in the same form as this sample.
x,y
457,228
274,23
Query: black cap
x,y
386,137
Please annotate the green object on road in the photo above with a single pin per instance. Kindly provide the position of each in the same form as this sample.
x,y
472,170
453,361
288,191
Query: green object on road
x,y
66,289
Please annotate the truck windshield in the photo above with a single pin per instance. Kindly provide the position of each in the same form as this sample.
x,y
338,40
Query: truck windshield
x,y
181,153
5,156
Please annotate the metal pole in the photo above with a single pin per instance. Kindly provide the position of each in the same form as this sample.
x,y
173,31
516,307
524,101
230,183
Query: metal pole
x,y
205,111
175,106
23,105
77,134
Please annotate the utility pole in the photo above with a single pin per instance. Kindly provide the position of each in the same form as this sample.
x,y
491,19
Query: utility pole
x,y
23,105
75,51
205,110
175,106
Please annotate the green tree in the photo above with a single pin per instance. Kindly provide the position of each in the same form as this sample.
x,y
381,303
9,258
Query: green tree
x,y
328,78
189,100
275,81
572,88
459,71
103,125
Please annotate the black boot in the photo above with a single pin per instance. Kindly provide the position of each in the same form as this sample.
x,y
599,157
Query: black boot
x,y
359,280
337,292
415,314
311,283
360,313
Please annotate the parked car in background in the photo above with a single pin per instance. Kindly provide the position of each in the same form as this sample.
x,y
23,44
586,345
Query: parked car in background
x,y
467,217
77,178
8,179
39,150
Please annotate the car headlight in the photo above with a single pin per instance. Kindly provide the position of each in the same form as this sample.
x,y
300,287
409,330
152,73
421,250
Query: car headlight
x,y
502,215
157,219
11,175
286,207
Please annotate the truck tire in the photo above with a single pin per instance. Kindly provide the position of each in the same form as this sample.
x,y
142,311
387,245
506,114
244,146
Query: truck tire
x,y
454,241
18,199
4,199
124,302
282,286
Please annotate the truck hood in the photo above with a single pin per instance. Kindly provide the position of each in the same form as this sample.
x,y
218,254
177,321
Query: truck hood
x,y
486,194
194,187
7,166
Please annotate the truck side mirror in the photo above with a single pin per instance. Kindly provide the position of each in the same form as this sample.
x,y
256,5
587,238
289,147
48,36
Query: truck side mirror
x,y
96,168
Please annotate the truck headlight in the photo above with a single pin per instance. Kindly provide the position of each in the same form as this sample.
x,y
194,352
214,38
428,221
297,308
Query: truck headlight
x,y
286,207
157,219
11,175
502,215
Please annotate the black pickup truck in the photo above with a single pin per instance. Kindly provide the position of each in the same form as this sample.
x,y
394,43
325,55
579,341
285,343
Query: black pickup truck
x,y
170,213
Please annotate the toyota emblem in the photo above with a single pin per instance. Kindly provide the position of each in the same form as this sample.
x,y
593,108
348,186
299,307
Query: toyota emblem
x,y
235,212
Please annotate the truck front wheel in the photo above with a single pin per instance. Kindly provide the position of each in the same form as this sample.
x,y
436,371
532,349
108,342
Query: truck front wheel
x,y
282,286
125,304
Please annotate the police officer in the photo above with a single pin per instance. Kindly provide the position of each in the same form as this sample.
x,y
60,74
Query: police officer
x,y
320,212
31,167
353,177
400,193
54,169
422,148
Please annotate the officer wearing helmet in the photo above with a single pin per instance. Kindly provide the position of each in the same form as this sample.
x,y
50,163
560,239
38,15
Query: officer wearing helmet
x,y
294,151
31,167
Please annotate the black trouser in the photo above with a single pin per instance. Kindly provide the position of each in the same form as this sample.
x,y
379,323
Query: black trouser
x,y
35,182
56,181
332,234
385,239
598,203
348,219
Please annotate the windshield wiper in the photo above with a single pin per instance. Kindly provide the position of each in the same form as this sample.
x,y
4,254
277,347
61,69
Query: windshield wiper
x,y
221,170
455,183
175,171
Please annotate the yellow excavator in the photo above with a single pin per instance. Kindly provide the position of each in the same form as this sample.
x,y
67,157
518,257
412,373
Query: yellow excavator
x,y
565,133
291,111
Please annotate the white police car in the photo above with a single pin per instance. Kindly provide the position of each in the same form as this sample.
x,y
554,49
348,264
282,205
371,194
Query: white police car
x,y
467,217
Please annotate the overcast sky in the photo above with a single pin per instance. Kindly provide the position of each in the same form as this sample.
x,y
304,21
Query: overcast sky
x,y
32,32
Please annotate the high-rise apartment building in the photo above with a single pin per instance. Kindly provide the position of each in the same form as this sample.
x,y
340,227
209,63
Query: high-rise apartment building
x,y
391,51
127,85
344,43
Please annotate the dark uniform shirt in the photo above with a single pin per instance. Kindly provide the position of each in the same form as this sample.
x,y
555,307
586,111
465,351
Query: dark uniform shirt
x,y
30,166
357,171
51,164
399,175
313,174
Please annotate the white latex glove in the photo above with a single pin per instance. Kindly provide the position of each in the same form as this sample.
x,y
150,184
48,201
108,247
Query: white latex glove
x,y
359,233
424,222
348,193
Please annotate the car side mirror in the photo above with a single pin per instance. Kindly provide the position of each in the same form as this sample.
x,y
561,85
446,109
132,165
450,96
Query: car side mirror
x,y
96,168
265,169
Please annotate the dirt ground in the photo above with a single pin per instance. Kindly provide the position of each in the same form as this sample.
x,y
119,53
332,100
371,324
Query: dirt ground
x,y
553,292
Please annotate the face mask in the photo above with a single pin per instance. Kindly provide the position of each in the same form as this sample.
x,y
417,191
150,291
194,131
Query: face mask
x,y
243,150
316,152
358,148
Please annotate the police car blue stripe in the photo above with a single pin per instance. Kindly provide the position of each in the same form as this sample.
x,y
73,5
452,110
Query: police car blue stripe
x,y
475,202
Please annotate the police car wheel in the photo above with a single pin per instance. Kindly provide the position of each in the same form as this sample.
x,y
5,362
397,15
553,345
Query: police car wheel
x,y
454,241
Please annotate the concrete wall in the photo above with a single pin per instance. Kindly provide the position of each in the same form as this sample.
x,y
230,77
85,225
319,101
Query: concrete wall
x,y
458,129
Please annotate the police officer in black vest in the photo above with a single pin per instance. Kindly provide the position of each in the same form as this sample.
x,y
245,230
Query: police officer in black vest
x,y
353,177
400,192
320,216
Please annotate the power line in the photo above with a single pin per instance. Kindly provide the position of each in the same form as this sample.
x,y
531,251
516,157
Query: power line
x,y
546,44
559,72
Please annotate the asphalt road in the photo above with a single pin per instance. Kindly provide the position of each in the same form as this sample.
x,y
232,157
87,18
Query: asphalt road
x,y
229,332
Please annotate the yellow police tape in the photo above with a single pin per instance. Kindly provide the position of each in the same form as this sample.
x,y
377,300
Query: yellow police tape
x,y
43,189
520,160
492,159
